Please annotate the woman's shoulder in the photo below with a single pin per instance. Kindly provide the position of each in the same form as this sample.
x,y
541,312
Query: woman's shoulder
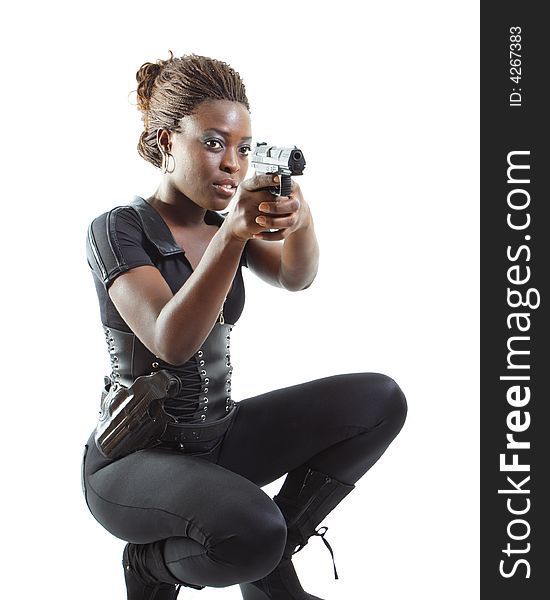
x,y
116,241
112,230
136,223
121,213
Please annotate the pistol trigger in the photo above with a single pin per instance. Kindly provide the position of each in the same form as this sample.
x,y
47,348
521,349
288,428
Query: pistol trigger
x,y
276,191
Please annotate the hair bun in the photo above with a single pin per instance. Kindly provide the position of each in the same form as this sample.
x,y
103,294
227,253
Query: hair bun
x,y
146,77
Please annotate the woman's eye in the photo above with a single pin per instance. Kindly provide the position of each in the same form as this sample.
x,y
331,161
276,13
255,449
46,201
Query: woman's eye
x,y
215,144
244,150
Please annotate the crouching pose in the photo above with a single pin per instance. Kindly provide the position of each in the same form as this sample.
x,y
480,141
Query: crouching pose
x,y
167,270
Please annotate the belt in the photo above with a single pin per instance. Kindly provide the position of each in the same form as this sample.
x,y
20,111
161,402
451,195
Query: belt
x,y
187,434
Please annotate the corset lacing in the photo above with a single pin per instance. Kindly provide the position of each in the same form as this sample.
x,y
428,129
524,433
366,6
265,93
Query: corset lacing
x,y
111,348
186,404
204,380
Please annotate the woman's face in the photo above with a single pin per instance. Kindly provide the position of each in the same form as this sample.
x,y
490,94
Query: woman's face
x,y
211,153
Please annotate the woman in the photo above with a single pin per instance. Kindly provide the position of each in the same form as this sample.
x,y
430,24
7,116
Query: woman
x,y
167,271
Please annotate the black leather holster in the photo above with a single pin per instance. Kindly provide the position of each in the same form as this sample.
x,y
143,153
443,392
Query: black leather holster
x,y
133,418
147,401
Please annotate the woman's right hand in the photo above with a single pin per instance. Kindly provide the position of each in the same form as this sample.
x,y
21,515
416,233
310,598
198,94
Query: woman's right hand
x,y
241,221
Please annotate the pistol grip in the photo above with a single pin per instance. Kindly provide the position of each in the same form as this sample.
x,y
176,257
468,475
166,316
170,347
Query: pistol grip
x,y
285,186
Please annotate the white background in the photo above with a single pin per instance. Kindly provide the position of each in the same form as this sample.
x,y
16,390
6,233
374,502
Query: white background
x,y
383,99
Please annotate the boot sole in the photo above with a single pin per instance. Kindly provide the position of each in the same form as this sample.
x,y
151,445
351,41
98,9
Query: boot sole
x,y
251,592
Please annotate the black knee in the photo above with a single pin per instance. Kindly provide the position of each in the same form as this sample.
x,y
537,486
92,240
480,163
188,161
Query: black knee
x,y
376,400
394,403
257,546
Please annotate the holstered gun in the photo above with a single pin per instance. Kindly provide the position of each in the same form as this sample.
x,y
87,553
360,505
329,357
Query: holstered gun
x,y
132,418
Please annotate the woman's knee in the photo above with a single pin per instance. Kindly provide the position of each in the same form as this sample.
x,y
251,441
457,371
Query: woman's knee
x,y
247,545
258,542
394,402
381,401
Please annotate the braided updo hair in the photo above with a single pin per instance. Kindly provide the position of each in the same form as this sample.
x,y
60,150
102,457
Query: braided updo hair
x,y
171,89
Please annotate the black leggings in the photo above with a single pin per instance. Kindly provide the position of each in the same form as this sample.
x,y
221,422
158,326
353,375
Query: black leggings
x,y
220,527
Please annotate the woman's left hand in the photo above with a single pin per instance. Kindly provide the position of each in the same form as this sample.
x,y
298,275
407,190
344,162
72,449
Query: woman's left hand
x,y
286,214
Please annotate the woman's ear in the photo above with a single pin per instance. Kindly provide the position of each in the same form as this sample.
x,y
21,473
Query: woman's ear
x,y
164,140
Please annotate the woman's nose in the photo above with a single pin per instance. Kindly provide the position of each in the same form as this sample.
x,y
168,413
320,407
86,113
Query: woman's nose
x,y
230,161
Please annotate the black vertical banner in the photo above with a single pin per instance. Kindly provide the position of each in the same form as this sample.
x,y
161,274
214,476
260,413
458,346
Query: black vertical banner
x,y
515,268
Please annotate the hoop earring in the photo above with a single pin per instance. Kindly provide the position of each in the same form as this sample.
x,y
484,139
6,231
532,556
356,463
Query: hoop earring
x,y
165,166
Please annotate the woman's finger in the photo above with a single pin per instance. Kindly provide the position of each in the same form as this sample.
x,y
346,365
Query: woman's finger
x,y
260,182
276,222
284,205
271,236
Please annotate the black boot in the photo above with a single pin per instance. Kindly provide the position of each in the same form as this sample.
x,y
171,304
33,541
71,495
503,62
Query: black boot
x,y
305,499
146,575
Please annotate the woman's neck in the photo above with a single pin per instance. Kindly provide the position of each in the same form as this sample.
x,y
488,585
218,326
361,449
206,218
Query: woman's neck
x,y
175,207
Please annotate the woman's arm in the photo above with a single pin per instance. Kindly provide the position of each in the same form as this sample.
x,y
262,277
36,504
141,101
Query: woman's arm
x,y
293,263
174,326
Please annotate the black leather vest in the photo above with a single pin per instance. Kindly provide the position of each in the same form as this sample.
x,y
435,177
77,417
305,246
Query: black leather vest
x,y
204,394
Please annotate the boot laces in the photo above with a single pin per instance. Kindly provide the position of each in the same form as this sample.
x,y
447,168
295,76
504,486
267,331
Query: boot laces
x,y
321,534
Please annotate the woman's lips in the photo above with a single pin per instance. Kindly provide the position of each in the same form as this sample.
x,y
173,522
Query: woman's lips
x,y
225,190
